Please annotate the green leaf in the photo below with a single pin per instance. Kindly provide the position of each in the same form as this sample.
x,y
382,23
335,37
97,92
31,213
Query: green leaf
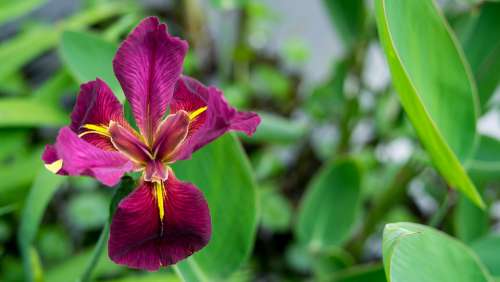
x,y
222,171
348,17
88,211
277,129
330,206
75,266
362,273
488,248
485,165
13,142
269,82
20,172
434,84
10,10
26,46
88,56
53,89
149,277
28,112
470,221
482,48
124,188
275,210
39,38
416,253
44,187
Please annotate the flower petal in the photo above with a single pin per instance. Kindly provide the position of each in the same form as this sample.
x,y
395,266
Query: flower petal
x,y
140,239
96,105
147,64
172,131
52,161
218,118
82,158
129,144
155,171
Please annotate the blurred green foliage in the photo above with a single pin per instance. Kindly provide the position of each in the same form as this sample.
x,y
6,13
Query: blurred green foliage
x,y
335,159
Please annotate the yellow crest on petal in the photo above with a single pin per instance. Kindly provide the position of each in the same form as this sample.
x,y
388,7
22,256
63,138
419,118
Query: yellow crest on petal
x,y
55,166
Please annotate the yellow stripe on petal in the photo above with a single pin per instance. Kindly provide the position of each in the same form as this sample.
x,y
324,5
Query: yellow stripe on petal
x,y
55,166
94,128
159,198
194,114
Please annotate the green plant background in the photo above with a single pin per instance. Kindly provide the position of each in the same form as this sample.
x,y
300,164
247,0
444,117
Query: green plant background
x,y
377,159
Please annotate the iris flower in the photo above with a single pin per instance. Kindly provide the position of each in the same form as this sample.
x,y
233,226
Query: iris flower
x,y
163,220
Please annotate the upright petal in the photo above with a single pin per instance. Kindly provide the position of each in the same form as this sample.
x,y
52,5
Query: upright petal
x,y
82,158
139,238
170,134
129,143
96,105
218,117
147,64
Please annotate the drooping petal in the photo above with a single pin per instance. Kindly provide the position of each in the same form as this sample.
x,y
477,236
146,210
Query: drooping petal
x,y
171,133
96,105
139,238
82,158
147,65
52,161
129,144
190,95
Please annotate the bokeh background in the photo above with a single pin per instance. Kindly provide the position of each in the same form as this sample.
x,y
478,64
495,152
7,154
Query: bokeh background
x,y
315,72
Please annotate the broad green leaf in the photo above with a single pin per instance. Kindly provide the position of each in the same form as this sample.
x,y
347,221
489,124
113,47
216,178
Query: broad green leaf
x,y
488,248
276,129
482,47
10,10
348,17
330,206
362,273
88,56
434,84
222,171
15,112
417,253
44,187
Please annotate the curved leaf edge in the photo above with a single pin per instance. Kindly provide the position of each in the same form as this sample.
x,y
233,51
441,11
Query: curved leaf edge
x,y
468,187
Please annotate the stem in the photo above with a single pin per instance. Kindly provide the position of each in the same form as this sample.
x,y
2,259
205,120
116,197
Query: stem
x,y
99,247
439,215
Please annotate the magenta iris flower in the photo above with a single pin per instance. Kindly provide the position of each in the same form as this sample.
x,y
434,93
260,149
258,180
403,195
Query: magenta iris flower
x,y
163,220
